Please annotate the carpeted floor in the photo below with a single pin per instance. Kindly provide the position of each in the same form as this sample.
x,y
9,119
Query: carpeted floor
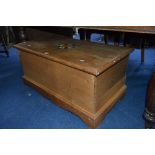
x,y
23,107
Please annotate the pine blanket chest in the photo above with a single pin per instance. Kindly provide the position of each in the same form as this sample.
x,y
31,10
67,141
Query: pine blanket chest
x,y
83,77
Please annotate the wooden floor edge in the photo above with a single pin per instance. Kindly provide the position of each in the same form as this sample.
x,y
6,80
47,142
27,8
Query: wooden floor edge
x,y
92,120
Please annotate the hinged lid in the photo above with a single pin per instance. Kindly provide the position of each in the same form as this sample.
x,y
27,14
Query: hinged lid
x,y
93,58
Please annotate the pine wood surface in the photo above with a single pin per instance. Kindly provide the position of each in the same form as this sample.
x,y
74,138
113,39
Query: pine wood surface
x,y
87,88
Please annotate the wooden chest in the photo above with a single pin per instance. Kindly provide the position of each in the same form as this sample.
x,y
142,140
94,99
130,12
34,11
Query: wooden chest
x,y
83,77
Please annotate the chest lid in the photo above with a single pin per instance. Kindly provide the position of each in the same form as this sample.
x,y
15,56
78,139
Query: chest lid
x,y
93,58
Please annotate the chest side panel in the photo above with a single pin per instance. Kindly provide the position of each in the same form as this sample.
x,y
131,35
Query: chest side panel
x,y
109,83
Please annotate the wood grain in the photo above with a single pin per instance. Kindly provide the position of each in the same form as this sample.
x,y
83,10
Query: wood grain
x,y
97,58
88,89
92,120
107,84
